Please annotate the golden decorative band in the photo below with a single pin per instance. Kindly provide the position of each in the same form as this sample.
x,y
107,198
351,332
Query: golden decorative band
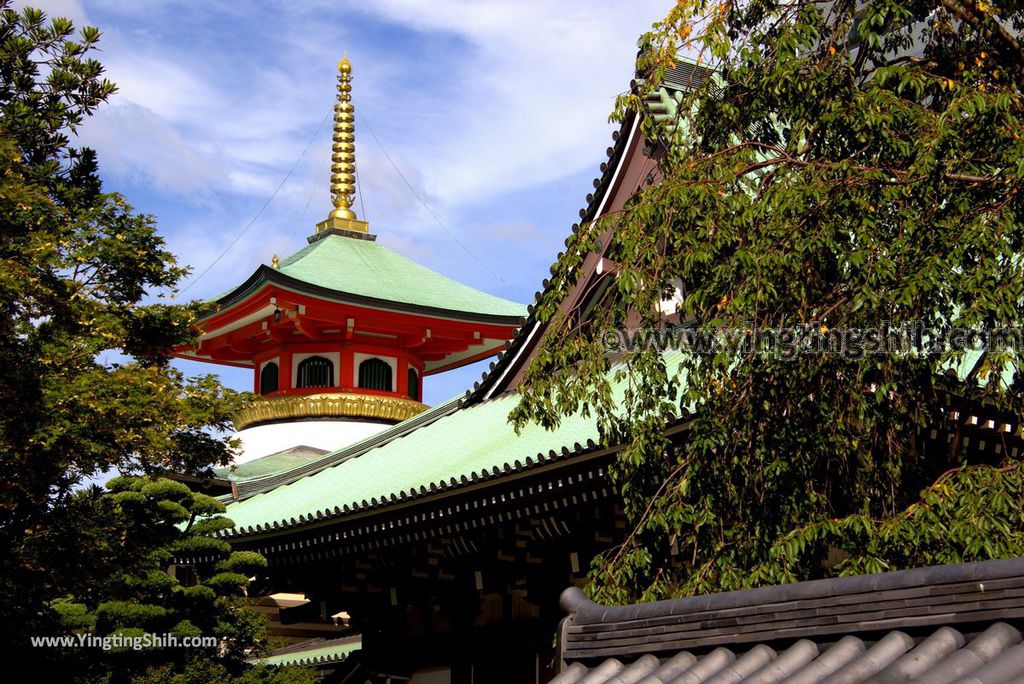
x,y
268,409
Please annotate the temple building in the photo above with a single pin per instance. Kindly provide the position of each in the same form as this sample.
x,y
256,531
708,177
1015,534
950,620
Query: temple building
x,y
340,335
435,550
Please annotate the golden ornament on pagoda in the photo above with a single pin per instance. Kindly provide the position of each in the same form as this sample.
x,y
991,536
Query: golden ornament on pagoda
x,y
343,158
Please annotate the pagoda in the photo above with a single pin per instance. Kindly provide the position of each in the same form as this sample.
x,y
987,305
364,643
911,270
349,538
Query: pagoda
x,y
340,334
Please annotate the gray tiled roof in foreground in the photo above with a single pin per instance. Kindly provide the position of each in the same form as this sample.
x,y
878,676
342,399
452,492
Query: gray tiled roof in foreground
x,y
954,623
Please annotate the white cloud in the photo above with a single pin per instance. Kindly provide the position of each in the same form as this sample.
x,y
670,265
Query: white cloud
x,y
174,92
71,9
136,141
525,102
473,99
544,81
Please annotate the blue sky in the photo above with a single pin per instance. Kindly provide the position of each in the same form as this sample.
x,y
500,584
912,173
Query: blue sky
x,y
495,111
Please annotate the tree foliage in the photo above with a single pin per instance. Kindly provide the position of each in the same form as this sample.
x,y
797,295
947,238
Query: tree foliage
x,y
85,385
851,167
142,592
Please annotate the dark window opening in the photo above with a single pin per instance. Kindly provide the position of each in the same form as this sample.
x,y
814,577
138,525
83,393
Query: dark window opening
x,y
316,371
375,374
268,378
414,385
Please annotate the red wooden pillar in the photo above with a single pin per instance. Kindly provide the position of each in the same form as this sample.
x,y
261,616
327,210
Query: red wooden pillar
x,y
284,371
346,370
402,381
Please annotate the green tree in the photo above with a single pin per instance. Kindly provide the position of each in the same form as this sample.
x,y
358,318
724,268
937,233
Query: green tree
x,y
150,595
853,165
82,279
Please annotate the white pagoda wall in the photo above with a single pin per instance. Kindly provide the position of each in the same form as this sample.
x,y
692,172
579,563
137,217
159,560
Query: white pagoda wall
x,y
263,440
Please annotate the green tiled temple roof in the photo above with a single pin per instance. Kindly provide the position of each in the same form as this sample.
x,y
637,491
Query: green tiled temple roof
x,y
442,449
326,652
362,269
466,445
250,486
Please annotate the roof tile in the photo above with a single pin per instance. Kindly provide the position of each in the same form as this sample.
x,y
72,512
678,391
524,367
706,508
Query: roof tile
x,y
366,268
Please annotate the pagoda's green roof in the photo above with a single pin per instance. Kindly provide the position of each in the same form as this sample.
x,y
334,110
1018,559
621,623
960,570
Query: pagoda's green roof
x,y
366,270
326,652
462,446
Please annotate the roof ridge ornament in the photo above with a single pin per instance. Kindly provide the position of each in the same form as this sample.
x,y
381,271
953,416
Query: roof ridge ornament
x,y
342,218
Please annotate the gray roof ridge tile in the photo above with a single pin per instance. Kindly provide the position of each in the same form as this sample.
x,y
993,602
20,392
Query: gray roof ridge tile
x,y
586,612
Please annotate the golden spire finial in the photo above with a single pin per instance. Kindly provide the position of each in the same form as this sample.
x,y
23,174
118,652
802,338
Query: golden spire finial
x,y
343,161
275,262
343,157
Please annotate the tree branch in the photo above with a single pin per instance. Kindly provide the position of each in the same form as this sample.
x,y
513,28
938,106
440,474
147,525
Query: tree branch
x,y
991,29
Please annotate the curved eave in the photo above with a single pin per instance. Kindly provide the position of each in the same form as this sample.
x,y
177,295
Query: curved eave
x,y
267,275
519,344
577,452
415,494
494,378
320,654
